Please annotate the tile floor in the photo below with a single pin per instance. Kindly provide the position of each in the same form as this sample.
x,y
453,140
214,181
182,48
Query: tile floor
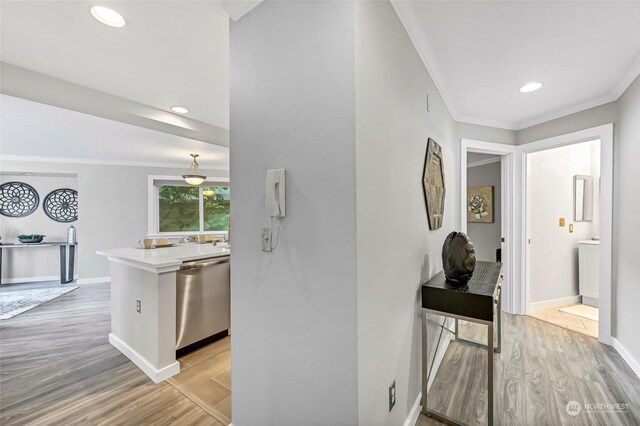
x,y
573,322
205,378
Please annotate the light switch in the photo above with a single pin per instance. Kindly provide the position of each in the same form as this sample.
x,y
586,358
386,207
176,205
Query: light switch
x,y
571,228
561,221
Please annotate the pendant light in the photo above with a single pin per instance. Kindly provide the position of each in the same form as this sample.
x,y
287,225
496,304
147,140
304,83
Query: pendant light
x,y
193,178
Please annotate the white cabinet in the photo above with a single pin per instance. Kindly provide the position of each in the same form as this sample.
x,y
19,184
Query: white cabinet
x,y
589,271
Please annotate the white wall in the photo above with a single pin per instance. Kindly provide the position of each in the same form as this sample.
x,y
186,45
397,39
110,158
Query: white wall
x,y
42,261
293,311
485,133
112,207
553,251
603,114
626,198
392,128
486,236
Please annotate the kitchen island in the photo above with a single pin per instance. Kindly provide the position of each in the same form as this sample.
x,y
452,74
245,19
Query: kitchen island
x,y
143,303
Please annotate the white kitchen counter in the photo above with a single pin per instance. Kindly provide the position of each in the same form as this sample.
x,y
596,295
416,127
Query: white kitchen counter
x,y
143,303
164,259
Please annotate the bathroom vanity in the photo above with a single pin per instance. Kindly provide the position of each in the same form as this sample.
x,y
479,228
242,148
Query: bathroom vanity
x,y
144,298
589,271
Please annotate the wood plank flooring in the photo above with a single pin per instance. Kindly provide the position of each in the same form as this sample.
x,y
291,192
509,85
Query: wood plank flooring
x,y
573,322
541,368
57,367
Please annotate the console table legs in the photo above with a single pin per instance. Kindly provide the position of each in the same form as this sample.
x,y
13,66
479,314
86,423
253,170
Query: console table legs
x,y
426,368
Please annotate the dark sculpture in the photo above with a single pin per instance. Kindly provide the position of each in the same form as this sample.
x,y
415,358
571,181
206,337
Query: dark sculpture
x,y
458,258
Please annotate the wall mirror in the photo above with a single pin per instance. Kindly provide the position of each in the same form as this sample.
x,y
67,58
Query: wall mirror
x,y
583,198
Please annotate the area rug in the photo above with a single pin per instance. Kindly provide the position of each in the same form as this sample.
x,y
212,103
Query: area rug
x,y
583,311
14,302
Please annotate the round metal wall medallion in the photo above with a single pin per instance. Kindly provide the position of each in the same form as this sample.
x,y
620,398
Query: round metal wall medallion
x,y
61,205
18,199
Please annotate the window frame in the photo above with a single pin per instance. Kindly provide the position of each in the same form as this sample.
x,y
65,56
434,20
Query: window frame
x,y
153,205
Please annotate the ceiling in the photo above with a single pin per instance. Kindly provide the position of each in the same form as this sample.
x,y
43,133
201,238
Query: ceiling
x,y
177,53
481,52
69,136
168,53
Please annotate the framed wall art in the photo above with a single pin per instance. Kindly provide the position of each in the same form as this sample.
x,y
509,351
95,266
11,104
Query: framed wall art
x,y
433,184
480,204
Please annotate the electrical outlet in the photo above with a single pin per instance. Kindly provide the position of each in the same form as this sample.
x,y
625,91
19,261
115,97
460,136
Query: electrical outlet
x,y
392,395
266,239
571,228
561,221
138,305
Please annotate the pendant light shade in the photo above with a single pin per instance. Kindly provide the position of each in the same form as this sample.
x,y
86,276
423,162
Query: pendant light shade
x,y
193,178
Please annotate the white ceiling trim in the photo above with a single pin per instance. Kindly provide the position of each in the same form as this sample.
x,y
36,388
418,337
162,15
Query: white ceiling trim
x,y
236,9
632,73
423,47
408,18
37,159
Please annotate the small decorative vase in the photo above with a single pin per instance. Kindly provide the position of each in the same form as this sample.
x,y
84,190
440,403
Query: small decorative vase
x,y
458,258
72,236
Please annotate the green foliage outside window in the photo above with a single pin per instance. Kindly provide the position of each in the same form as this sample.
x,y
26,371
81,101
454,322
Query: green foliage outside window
x,y
216,209
179,208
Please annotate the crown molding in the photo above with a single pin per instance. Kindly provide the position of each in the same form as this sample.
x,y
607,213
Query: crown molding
x,y
407,16
236,9
629,77
567,111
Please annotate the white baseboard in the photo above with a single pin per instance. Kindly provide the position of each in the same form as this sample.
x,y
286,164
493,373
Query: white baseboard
x,y
414,413
590,301
537,306
635,365
157,375
32,279
93,280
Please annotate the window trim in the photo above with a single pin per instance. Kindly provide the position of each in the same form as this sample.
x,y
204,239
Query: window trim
x,y
153,203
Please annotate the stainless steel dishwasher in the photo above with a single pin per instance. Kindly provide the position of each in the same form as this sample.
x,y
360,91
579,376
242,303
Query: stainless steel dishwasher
x,y
203,299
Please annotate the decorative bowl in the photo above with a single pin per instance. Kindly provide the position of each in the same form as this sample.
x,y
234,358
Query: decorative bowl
x,y
31,239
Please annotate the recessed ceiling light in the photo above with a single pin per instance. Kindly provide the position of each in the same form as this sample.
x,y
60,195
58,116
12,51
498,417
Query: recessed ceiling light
x,y
179,109
530,87
107,16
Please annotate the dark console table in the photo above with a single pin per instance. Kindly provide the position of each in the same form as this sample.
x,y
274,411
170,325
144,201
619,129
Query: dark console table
x,y
480,302
64,276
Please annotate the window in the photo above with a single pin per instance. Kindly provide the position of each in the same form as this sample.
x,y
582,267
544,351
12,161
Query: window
x,y
177,208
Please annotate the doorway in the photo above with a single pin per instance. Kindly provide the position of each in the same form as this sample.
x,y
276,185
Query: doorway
x,y
563,194
604,134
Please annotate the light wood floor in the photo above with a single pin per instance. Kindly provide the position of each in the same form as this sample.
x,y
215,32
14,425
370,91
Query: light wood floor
x,y
58,368
540,369
573,322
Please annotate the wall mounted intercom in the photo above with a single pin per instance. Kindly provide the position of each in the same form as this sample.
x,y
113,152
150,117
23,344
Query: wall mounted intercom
x,y
274,200
275,206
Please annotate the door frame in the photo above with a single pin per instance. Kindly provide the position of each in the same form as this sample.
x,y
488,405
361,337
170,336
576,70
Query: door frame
x,y
605,134
511,293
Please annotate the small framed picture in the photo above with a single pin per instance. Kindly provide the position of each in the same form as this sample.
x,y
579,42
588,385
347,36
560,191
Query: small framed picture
x,y
480,204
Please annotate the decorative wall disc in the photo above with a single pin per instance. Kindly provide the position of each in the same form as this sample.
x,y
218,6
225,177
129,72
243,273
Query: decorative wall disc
x,y
61,205
18,199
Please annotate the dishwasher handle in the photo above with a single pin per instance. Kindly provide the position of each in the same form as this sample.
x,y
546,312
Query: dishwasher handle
x,y
199,264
